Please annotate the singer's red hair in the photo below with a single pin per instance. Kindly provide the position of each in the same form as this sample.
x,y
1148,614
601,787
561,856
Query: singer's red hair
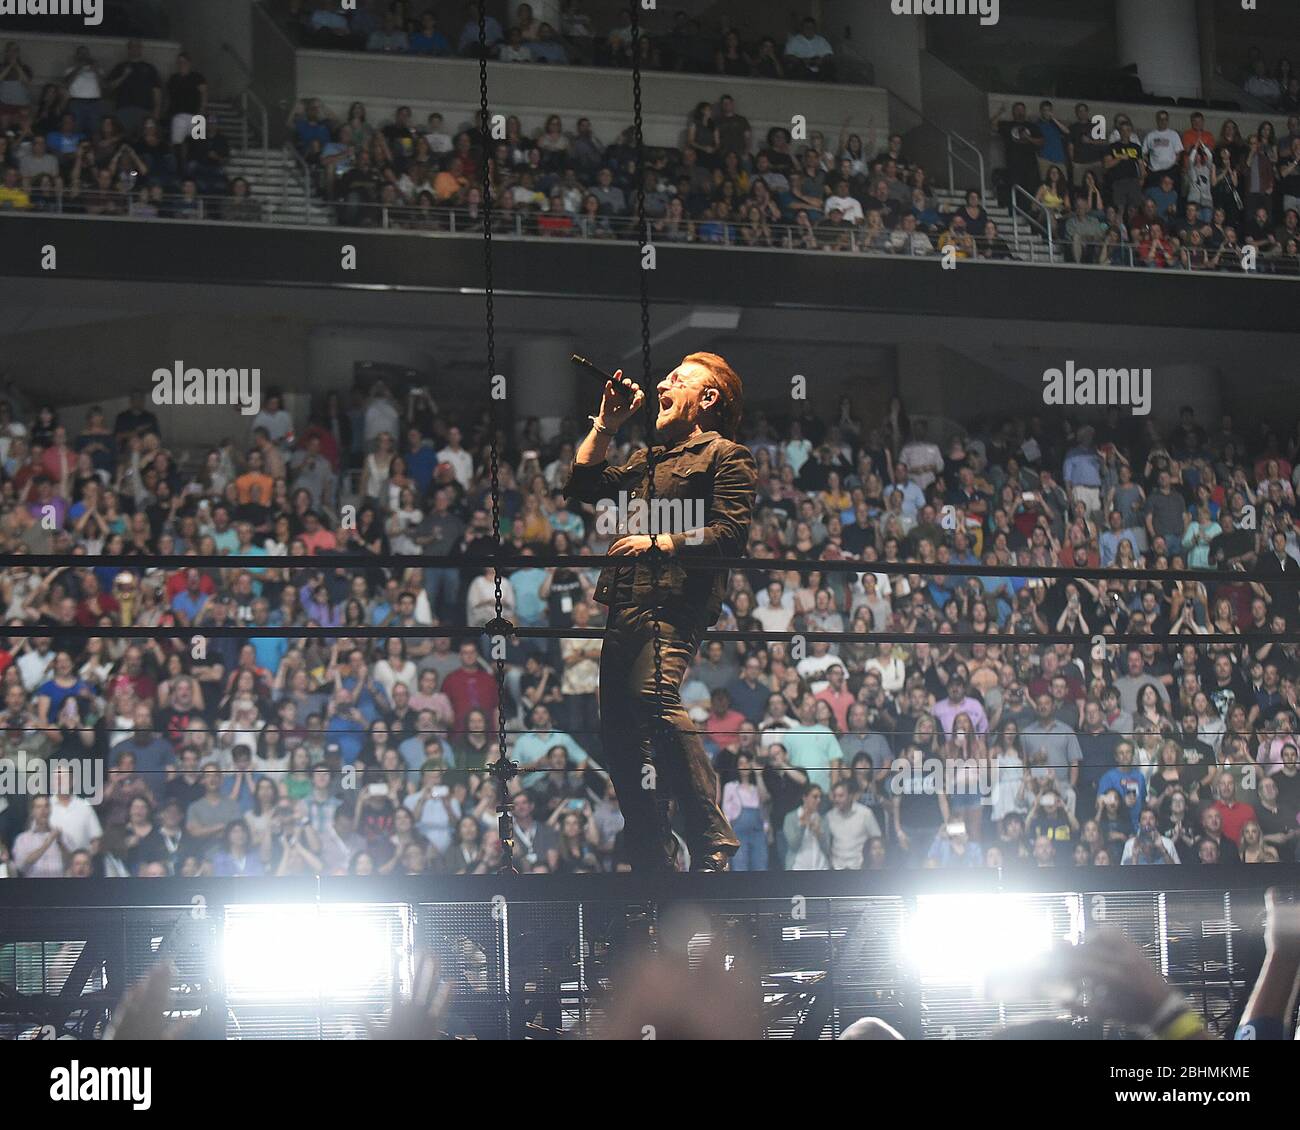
x,y
726,414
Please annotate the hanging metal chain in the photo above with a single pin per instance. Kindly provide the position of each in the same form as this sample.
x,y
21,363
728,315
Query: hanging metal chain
x,y
503,770
651,399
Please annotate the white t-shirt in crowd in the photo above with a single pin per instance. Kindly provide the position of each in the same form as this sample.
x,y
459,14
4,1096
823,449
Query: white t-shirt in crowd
x,y
1200,185
388,676
774,619
800,46
1161,149
77,821
923,460
382,415
851,209
277,424
849,835
462,464
34,669
83,82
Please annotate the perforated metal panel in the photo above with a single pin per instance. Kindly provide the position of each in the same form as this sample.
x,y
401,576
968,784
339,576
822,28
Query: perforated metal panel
x,y
61,970
867,975
469,943
784,949
537,967
1209,954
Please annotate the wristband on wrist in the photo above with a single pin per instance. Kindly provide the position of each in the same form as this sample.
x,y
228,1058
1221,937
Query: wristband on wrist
x,y
1169,1008
600,428
1175,1020
1186,1026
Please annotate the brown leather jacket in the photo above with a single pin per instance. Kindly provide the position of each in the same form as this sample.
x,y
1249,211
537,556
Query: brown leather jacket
x,y
704,469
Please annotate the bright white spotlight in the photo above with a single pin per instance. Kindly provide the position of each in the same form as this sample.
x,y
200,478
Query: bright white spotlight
x,y
309,952
972,939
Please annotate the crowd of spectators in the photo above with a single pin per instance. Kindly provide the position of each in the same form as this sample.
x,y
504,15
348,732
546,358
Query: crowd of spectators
x,y
723,185
114,140
1277,87
351,754
679,42
118,141
1161,198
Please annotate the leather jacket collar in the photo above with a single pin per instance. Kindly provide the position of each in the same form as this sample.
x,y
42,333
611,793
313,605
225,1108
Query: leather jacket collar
x,y
690,443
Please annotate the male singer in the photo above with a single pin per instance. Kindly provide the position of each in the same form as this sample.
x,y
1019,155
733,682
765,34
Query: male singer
x,y
652,750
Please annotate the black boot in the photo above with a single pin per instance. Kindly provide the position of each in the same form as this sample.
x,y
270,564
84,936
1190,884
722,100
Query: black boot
x,y
719,859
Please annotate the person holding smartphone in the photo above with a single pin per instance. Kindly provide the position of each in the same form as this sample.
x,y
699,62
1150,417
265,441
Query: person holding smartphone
x,y
375,816
435,810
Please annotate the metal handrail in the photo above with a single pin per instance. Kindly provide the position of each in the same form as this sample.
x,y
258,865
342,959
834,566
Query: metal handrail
x,y
264,136
951,136
246,96
977,169
405,217
410,217
305,173
131,205
1044,229
240,62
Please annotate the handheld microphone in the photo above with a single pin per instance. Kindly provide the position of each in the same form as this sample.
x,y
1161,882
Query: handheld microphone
x,y
597,373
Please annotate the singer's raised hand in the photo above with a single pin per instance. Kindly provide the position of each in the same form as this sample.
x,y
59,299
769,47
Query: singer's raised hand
x,y
616,408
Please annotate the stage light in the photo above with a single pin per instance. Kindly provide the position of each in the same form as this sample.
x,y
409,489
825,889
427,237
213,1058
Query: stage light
x,y
981,938
297,952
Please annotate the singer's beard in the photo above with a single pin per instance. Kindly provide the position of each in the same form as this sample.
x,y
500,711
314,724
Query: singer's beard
x,y
676,426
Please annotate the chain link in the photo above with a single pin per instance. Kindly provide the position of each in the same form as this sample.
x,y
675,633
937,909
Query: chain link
x,y
647,379
503,770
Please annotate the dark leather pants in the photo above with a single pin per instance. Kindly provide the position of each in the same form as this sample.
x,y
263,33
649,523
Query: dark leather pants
x,y
651,747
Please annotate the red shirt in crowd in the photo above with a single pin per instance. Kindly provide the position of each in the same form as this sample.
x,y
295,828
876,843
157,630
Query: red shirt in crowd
x,y
89,612
1235,817
724,729
839,704
470,689
321,539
